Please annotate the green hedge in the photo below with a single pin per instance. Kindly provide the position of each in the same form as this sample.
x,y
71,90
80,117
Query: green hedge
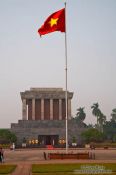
x,y
6,169
4,146
68,168
101,145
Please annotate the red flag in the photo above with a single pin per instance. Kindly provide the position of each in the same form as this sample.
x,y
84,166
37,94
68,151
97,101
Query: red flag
x,y
55,22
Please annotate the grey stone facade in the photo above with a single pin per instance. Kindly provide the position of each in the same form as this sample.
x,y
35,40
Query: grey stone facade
x,y
46,93
32,129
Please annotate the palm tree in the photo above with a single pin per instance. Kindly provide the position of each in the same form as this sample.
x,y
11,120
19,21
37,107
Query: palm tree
x,y
96,111
101,121
113,114
80,114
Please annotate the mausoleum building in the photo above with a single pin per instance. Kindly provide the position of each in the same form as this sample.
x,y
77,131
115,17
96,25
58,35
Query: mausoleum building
x,y
43,118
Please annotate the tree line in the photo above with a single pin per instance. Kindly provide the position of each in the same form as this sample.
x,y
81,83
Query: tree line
x,y
103,129
7,137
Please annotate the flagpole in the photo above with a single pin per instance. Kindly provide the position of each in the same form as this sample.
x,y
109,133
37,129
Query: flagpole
x,y
66,94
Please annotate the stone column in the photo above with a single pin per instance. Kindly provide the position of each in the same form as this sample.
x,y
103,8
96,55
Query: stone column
x,y
69,108
42,109
33,109
24,109
60,109
51,109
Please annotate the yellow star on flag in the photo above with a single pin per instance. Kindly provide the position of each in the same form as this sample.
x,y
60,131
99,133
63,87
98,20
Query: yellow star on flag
x,y
53,22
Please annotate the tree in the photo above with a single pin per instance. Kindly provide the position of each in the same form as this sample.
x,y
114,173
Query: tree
x,y
113,114
101,118
96,111
93,135
110,130
80,116
7,136
101,121
90,125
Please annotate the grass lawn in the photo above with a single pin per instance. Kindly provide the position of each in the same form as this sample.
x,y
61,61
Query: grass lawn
x,y
6,169
71,169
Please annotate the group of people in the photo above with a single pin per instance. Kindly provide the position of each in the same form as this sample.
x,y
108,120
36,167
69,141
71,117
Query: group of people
x,y
1,155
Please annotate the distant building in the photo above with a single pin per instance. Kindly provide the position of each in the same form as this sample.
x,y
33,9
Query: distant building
x,y
43,118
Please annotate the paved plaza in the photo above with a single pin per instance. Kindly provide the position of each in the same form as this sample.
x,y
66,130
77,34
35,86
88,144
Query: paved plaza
x,y
24,158
36,155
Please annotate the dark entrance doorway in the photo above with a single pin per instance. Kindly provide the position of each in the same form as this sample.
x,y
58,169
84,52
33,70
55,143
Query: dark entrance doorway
x,y
48,139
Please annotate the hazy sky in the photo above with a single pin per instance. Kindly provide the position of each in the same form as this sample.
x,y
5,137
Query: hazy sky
x,y
26,60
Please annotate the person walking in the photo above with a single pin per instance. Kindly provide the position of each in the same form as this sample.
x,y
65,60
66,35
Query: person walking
x,y
1,155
